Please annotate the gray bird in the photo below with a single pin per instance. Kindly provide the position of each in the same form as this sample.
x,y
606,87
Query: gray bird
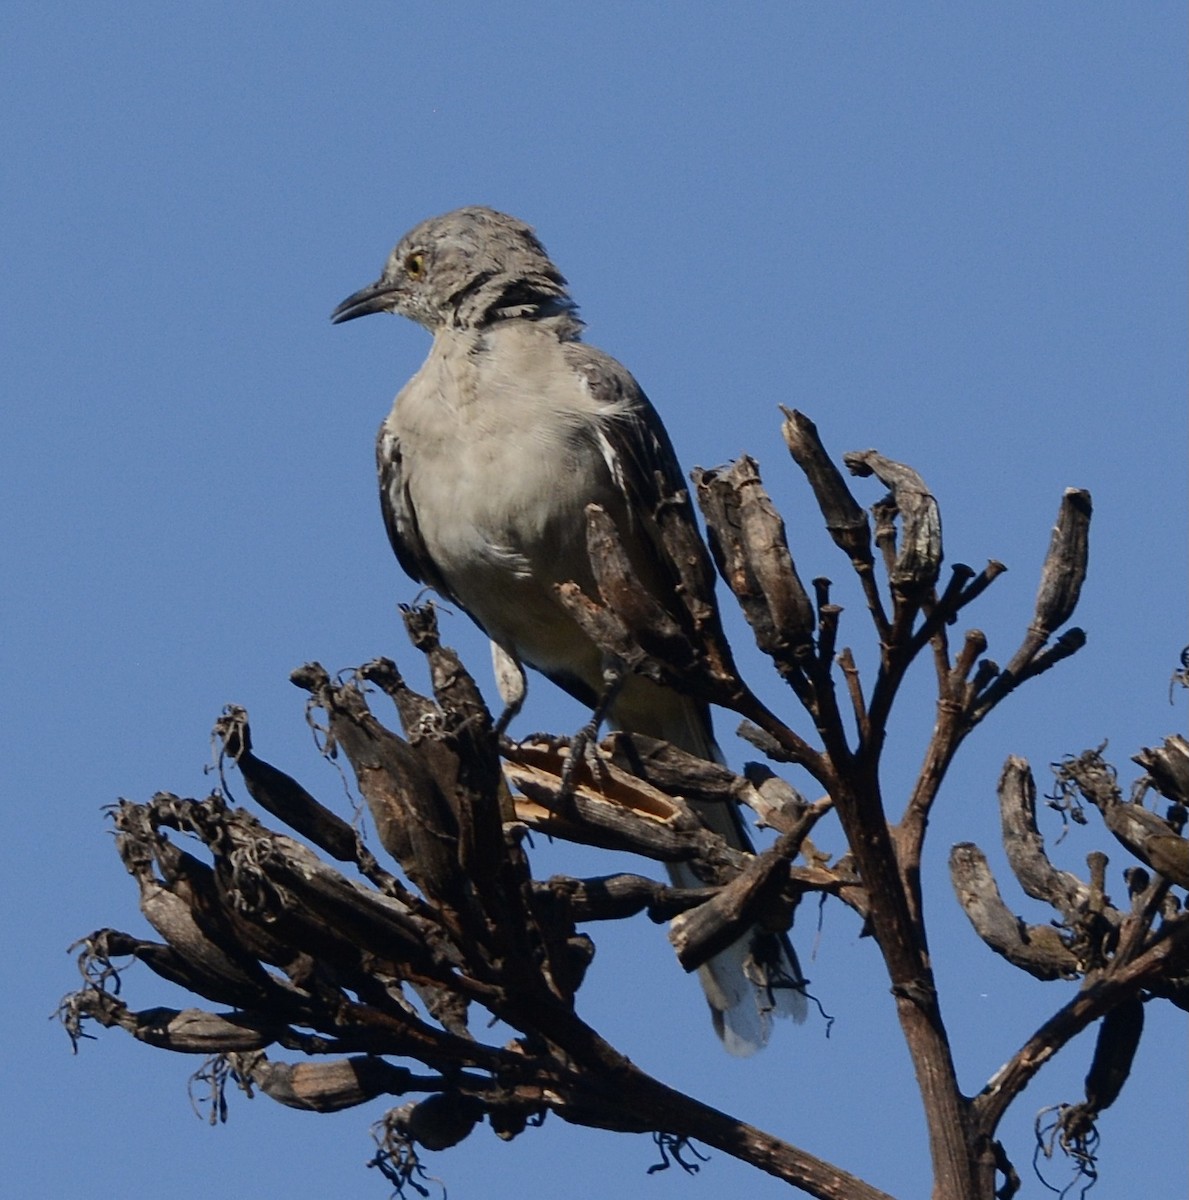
x,y
491,453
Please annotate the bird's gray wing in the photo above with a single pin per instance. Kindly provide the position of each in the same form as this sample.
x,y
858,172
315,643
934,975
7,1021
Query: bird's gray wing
x,y
400,517
644,466
644,470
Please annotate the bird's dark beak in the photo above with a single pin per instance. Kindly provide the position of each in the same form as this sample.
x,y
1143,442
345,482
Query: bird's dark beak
x,y
376,297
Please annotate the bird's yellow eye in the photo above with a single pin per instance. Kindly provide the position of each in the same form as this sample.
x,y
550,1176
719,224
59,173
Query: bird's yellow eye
x,y
415,264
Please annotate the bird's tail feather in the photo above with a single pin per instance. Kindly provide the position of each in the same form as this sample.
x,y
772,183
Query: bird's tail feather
x,y
747,984
758,976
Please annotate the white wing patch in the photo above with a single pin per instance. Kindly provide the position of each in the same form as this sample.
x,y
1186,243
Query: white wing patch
x,y
613,461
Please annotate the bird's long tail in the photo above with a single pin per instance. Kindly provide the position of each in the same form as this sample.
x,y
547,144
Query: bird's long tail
x,y
758,976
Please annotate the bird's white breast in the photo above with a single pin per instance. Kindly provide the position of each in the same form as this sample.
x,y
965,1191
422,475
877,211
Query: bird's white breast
x,y
500,459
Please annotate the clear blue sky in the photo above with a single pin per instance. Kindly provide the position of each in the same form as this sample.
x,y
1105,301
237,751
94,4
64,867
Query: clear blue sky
x,y
953,232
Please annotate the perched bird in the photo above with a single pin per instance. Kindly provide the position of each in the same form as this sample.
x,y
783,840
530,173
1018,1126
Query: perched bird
x,y
491,453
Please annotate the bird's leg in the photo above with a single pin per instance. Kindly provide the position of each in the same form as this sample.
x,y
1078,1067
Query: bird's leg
x,y
614,674
511,683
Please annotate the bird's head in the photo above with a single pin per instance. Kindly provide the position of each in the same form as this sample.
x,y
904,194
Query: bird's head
x,y
464,270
